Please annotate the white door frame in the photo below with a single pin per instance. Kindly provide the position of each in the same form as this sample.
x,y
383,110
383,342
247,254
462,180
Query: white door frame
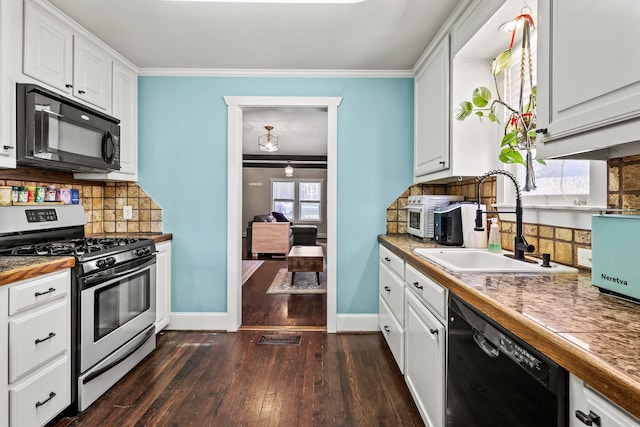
x,y
235,106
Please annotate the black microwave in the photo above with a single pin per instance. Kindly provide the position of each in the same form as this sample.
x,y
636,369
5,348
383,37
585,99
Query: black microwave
x,y
55,132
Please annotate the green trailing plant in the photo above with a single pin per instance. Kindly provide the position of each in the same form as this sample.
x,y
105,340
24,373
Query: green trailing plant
x,y
520,126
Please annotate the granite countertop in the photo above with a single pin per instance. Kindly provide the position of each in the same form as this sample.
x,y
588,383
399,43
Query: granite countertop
x,y
15,268
156,237
592,335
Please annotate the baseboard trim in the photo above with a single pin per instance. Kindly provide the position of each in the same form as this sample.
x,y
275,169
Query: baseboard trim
x,y
198,321
357,323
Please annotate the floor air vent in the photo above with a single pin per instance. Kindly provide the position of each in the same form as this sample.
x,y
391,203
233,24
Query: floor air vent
x,y
279,340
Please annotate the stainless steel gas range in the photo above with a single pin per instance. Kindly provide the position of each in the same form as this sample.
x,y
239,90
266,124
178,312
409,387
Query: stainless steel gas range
x,y
113,292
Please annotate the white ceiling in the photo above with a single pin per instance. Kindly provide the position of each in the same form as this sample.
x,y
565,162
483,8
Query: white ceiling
x,y
371,35
300,131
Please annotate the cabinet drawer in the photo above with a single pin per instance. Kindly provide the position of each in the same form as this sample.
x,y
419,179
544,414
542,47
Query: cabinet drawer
x,y
392,291
393,333
37,291
42,397
391,260
430,291
37,337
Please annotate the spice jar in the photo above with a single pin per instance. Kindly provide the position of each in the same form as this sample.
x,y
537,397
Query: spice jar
x,y
50,195
31,194
5,196
23,195
15,191
39,197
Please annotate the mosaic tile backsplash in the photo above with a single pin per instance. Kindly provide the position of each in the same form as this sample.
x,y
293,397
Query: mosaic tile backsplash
x,y
103,204
623,191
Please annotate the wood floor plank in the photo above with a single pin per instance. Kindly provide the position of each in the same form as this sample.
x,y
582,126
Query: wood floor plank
x,y
226,379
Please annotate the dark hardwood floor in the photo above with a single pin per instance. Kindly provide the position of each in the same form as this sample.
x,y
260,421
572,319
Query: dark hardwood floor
x,y
262,310
227,379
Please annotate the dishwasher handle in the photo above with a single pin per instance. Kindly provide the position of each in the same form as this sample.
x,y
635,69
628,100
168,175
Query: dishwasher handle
x,y
482,342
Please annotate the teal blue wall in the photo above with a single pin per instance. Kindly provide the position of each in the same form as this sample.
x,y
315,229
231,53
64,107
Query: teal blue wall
x,y
183,167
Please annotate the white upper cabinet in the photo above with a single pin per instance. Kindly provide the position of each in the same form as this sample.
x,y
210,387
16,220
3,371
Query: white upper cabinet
x,y
588,78
48,49
91,73
445,148
125,107
60,57
431,143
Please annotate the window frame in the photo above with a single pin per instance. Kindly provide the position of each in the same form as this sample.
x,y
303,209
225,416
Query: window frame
x,y
297,202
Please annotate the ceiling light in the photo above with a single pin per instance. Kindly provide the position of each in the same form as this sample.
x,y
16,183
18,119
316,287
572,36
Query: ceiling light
x,y
288,171
268,142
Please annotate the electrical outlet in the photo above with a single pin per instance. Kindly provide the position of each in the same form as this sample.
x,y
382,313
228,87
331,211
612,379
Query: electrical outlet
x,y
127,212
584,257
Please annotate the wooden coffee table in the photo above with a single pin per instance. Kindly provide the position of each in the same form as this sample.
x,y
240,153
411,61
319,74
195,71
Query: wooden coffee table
x,y
305,259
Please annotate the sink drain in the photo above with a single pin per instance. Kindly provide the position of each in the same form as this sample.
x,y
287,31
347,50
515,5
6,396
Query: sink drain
x,y
279,340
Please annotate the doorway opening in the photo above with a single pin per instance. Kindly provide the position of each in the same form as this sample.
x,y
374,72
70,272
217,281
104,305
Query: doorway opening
x,y
237,108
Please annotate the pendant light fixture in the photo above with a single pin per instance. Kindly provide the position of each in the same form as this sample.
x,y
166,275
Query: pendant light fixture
x,y
268,142
288,171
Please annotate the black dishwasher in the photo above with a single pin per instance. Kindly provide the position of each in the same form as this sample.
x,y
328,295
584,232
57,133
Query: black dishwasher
x,y
496,379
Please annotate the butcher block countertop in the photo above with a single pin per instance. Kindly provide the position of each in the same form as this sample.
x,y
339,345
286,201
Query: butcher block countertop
x,y
594,336
15,268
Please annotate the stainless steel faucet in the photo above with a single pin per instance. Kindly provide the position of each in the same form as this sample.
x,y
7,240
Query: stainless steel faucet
x,y
520,245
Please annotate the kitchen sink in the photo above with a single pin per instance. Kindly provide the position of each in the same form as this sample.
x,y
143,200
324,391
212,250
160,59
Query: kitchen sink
x,y
483,261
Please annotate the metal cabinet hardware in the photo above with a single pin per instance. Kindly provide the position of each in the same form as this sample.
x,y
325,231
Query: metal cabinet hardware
x,y
51,396
590,419
386,329
418,285
50,290
388,289
51,335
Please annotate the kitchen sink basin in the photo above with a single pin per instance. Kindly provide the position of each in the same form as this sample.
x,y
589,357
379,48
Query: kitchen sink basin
x,y
483,261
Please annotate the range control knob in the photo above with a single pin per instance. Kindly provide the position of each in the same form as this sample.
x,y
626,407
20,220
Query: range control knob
x,y
101,263
111,260
142,251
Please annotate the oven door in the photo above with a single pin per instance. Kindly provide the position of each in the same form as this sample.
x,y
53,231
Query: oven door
x,y
115,307
416,221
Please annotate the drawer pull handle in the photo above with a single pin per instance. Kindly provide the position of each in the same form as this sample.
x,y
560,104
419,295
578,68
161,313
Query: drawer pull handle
x,y
51,396
81,92
39,294
388,289
590,419
386,329
51,335
387,259
433,331
418,285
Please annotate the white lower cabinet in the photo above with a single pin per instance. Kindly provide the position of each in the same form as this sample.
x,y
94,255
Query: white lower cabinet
x,y
37,315
391,303
425,339
163,285
589,408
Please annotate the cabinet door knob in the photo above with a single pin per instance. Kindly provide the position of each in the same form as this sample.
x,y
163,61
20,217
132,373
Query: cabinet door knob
x,y
386,329
433,331
590,419
418,285
388,289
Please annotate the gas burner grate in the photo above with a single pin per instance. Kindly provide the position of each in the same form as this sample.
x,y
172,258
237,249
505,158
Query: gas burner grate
x,y
279,340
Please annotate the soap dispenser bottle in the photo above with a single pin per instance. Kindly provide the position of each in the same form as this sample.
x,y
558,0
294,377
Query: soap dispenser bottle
x,y
494,237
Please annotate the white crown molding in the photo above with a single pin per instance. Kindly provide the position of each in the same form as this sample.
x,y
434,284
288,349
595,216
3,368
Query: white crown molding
x,y
228,72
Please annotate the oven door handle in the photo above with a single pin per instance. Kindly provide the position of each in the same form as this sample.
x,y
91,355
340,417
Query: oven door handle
x,y
109,276
104,369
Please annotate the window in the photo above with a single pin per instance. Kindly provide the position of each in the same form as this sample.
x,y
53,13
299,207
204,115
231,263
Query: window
x,y
558,182
298,200
283,196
